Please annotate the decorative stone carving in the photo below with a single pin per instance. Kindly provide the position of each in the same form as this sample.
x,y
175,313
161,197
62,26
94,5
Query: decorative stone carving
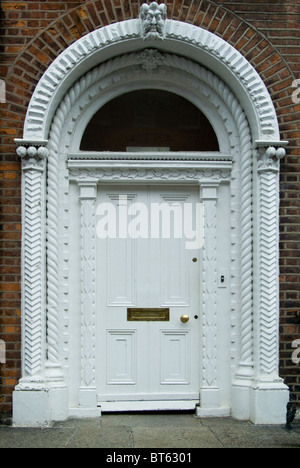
x,y
52,258
60,74
266,388
153,18
104,171
269,274
231,115
268,184
150,59
246,316
157,171
32,156
33,164
268,158
209,197
87,393
79,97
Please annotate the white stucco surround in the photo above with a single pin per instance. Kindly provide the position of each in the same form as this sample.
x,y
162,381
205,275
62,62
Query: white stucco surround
x,y
209,72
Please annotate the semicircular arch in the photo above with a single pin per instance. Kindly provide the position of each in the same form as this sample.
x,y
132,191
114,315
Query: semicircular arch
x,y
176,75
184,39
189,80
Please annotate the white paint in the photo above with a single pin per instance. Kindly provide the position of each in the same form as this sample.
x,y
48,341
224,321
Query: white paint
x,y
180,38
156,359
238,357
2,352
2,92
153,18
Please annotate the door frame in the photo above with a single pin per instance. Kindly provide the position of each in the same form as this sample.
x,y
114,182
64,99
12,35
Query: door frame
x,y
247,129
207,175
113,395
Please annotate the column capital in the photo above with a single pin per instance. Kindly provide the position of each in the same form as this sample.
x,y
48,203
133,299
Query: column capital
x,y
32,153
209,190
88,188
269,154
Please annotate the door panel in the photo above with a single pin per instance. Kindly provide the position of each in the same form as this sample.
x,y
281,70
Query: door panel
x,y
121,357
175,353
150,268
121,258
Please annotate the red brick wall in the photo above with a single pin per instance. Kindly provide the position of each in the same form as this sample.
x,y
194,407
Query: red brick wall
x,y
33,34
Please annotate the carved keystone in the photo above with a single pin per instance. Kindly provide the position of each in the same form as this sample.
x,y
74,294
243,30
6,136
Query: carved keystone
x,y
153,18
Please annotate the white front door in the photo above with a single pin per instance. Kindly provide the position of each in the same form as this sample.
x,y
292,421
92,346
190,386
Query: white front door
x,y
148,283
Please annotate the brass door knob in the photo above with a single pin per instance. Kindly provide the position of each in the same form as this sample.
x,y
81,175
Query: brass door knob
x,y
184,318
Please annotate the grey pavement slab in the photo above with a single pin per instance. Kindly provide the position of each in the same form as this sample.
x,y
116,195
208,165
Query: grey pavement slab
x,y
154,431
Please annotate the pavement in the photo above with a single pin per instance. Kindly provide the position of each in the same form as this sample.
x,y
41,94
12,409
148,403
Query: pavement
x,y
151,431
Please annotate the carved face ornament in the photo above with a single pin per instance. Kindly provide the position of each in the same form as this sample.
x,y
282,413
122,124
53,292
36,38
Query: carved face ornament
x,y
153,20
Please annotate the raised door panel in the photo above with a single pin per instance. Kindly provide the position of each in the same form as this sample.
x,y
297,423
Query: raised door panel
x,y
169,261
175,357
120,258
121,357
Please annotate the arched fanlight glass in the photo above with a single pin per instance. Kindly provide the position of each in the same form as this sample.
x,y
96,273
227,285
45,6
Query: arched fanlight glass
x,y
149,120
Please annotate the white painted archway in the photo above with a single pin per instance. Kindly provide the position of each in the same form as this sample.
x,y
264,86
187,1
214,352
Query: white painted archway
x,y
181,39
94,70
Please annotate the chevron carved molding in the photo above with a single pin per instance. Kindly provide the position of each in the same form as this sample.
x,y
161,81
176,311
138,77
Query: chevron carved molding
x,y
268,175
33,166
60,74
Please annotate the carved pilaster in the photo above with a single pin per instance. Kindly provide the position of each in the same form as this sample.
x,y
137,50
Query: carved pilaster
x,y
267,389
33,262
267,284
87,393
54,370
209,390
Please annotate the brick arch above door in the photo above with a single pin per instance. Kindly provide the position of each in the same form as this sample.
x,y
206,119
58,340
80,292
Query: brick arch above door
x,y
69,25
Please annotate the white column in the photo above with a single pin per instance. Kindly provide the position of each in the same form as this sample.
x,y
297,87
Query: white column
x,y
41,395
209,393
269,395
88,391
30,399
